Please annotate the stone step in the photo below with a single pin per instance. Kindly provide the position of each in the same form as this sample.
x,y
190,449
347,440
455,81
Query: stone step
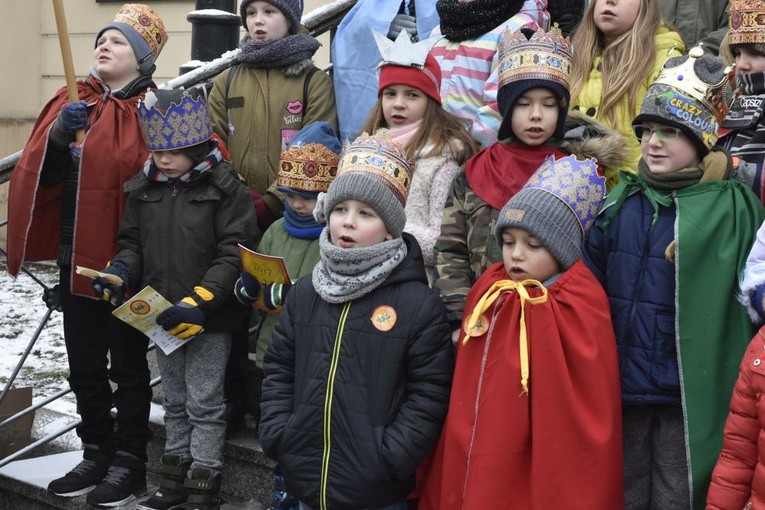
x,y
23,483
247,474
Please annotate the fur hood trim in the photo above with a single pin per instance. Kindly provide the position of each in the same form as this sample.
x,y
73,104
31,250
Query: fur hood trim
x,y
297,68
586,137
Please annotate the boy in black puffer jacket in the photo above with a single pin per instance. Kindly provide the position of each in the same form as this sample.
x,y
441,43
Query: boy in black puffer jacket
x,y
358,373
186,215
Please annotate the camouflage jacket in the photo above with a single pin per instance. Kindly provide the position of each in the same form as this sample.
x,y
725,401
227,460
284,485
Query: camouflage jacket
x,y
466,246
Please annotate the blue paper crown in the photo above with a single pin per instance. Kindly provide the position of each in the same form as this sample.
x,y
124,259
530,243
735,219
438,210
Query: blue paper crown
x,y
575,182
185,122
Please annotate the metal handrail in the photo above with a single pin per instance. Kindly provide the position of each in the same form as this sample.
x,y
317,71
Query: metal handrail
x,y
320,20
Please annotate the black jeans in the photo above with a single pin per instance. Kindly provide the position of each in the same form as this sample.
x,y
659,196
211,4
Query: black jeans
x,y
102,348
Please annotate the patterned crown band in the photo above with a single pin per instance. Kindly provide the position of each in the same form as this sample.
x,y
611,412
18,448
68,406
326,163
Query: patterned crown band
x,y
575,182
545,56
716,97
310,168
381,157
144,20
746,22
179,126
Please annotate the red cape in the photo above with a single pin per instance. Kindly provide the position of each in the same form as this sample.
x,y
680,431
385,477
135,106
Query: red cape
x,y
112,152
499,171
560,446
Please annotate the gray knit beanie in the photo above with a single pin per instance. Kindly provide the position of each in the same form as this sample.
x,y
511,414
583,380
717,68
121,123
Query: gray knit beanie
x,y
547,218
557,205
292,10
377,172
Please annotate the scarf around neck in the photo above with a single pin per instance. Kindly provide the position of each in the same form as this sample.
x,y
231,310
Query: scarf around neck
x,y
468,21
499,171
302,227
205,166
403,135
345,274
277,53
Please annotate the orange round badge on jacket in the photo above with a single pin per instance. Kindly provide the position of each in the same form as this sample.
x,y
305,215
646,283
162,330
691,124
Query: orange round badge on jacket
x,y
384,318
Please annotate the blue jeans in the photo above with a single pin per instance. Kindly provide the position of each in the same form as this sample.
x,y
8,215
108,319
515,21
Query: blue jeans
x,y
401,505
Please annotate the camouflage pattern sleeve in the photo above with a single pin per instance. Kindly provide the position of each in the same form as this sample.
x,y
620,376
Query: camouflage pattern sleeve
x,y
466,246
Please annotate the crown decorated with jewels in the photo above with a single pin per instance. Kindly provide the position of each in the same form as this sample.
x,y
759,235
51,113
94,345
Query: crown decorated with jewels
x,y
575,182
173,119
382,157
746,22
714,93
544,55
310,163
146,22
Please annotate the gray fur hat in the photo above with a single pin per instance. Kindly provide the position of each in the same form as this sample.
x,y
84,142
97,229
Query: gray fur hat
x,y
377,172
292,10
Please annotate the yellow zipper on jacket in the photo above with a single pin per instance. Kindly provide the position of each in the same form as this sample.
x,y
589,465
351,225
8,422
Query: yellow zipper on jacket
x,y
328,405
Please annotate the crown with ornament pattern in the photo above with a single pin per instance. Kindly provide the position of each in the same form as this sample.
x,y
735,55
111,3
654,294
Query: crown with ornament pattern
x,y
173,119
746,22
575,182
716,97
545,56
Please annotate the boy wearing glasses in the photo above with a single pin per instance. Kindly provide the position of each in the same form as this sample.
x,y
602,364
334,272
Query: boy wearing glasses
x,y
669,247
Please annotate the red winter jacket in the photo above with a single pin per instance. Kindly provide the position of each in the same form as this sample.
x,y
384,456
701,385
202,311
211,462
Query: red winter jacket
x,y
739,476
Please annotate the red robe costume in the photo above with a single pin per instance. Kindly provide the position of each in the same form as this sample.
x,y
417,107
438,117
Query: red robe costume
x,y
560,445
112,152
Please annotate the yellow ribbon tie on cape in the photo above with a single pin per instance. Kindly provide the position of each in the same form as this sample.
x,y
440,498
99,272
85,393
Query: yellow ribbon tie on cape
x,y
488,299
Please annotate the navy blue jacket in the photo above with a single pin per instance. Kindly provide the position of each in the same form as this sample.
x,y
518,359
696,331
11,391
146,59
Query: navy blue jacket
x,y
629,260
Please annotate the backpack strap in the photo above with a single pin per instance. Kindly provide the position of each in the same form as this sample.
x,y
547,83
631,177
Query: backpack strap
x,y
232,71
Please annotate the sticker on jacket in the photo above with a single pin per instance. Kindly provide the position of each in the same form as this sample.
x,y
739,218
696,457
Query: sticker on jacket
x,y
287,136
384,318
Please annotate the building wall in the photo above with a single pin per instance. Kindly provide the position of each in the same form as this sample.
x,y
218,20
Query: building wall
x,y
32,57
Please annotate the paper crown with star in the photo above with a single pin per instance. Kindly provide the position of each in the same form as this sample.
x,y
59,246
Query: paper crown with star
x,y
407,63
557,205
543,56
746,22
174,119
693,92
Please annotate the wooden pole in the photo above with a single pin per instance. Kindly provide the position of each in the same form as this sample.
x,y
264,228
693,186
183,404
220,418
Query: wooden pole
x,y
66,57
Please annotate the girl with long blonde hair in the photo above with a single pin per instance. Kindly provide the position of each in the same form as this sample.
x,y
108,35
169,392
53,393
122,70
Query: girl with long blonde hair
x,y
409,111
619,49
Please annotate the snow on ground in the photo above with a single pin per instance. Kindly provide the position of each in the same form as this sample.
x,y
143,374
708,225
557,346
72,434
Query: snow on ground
x,y
21,311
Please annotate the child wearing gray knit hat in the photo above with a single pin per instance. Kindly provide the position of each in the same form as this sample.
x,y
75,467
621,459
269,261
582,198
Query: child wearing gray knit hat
x,y
555,208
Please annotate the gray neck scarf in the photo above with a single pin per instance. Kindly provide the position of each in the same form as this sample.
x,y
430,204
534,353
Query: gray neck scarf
x,y
345,274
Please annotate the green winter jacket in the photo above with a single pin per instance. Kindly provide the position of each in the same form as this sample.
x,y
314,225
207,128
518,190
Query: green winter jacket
x,y
698,20
267,107
300,256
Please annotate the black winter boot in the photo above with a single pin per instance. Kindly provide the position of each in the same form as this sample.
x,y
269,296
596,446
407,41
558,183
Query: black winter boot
x,y
171,494
204,489
124,482
85,475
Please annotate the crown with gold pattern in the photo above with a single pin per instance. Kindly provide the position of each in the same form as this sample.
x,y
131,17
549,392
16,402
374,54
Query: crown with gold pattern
x,y
310,162
746,22
545,56
173,119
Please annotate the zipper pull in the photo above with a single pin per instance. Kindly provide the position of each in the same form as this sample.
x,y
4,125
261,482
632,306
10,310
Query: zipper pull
x,y
175,191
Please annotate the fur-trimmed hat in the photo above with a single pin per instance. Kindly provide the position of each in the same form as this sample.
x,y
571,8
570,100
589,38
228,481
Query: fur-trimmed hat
x,y
692,93
529,60
309,165
144,30
557,205
292,10
375,171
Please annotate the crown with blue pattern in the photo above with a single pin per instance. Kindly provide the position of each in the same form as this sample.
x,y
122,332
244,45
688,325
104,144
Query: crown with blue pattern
x,y
174,119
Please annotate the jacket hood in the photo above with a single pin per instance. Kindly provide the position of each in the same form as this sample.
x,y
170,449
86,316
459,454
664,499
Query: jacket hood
x,y
667,39
586,137
297,68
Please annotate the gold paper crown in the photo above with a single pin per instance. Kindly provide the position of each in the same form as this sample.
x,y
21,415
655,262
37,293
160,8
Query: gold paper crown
x,y
714,96
546,56
746,20
144,20
310,167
